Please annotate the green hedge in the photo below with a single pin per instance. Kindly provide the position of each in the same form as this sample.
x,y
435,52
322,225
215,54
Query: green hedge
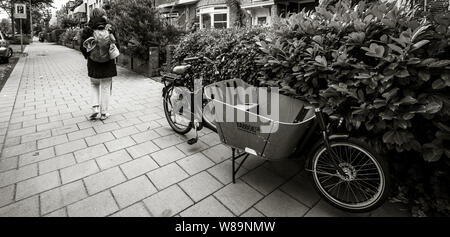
x,y
234,50
383,69
388,73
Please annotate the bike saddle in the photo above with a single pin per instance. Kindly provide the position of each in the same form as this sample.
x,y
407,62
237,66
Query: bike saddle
x,y
181,69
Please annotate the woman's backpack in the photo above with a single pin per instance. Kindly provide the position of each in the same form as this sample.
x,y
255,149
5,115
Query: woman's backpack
x,y
99,45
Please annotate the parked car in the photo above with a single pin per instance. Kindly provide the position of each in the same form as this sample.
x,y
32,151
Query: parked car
x,y
5,51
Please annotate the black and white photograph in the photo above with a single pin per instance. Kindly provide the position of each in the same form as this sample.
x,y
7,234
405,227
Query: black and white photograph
x,y
225,109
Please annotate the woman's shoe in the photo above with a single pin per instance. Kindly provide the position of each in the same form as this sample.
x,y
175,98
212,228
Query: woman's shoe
x,y
93,116
104,116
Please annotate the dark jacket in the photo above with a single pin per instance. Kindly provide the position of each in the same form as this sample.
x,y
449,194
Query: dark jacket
x,y
95,69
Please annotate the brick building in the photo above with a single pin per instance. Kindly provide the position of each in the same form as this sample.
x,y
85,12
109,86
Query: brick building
x,y
224,13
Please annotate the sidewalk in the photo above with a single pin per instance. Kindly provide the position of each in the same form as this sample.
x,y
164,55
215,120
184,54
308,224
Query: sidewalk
x,y
54,162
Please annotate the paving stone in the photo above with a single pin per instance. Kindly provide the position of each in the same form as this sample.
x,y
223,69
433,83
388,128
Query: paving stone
x,y
99,205
168,202
302,190
81,134
59,213
11,141
252,212
52,141
192,149
86,124
19,149
90,153
167,175
279,204
34,122
138,167
209,207
224,172
6,195
26,208
17,175
145,136
218,153
200,185
78,171
164,142
51,125
253,162
64,129
119,144
71,121
70,147
36,156
36,136
133,191
56,163
195,163
99,138
238,197
129,122
149,126
167,155
37,185
102,128
263,180
54,115
62,196
113,159
8,164
123,132
211,139
103,180
21,132
136,210
285,168
142,149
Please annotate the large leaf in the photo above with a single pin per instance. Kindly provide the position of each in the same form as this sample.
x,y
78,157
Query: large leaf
x,y
431,152
396,48
374,50
408,100
420,44
424,76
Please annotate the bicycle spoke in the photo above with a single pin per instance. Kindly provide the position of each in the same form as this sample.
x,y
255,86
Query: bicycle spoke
x,y
361,190
351,190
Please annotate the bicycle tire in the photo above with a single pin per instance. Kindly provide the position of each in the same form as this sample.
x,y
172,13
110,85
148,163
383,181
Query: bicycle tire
x,y
167,112
377,182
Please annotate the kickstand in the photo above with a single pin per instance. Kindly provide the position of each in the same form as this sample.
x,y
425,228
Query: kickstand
x,y
194,140
235,158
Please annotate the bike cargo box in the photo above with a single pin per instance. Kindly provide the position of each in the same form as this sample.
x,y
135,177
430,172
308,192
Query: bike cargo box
x,y
251,119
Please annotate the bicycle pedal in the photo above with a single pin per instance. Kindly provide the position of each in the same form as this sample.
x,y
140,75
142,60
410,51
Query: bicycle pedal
x,y
192,141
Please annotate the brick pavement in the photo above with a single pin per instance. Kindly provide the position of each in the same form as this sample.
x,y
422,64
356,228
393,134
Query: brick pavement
x,y
54,162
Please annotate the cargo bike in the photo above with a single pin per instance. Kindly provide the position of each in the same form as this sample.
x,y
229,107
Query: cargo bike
x,y
345,171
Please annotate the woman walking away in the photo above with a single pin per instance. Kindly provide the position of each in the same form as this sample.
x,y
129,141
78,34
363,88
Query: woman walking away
x,y
98,40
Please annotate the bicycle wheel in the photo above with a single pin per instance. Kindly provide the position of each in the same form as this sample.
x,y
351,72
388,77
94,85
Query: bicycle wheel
x,y
208,115
175,119
364,186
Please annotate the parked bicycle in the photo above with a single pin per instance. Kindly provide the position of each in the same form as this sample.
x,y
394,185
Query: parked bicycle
x,y
346,172
179,101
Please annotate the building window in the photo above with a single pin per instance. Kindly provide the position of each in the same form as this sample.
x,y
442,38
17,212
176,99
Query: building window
x,y
206,21
262,20
214,17
220,20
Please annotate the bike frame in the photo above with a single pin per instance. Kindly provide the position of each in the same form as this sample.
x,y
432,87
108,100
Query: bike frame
x,y
192,122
